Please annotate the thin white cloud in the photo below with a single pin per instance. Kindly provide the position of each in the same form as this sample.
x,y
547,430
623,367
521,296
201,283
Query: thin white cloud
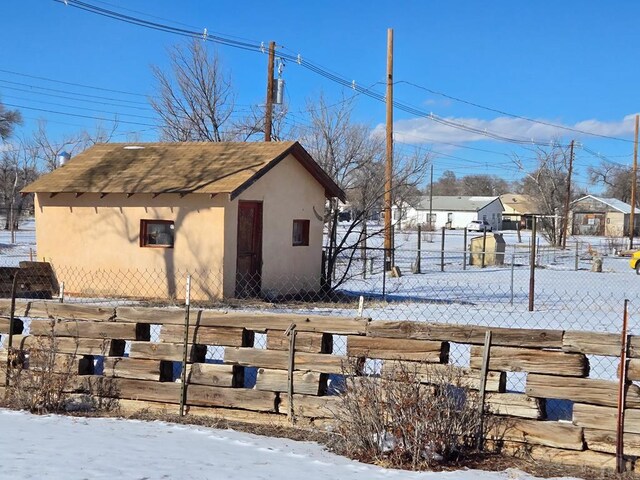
x,y
424,130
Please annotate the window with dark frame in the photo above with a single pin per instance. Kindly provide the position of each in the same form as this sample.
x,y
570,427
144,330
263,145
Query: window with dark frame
x,y
157,233
300,233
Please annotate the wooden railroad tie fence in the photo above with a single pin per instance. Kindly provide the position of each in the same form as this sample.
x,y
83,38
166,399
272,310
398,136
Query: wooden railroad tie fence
x,y
555,363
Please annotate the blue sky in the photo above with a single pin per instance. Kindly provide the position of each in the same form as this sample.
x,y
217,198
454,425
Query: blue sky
x,y
570,63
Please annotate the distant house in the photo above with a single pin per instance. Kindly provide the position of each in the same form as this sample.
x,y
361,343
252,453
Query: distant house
x,y
591,215
450,212
244,218
518,209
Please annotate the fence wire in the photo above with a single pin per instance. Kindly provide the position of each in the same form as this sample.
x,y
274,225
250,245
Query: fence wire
x,y
581,287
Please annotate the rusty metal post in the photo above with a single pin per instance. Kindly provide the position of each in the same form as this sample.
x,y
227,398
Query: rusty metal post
x,y
442,251
532,266
622,388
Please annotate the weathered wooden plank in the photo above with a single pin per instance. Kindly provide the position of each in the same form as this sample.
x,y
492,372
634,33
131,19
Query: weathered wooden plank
x,y
398,349
605,441
132,407
223,336
78,346
605,418
463,377
215,375
91,329
258,322
584,390
159,316
529,360
261,322
534,432
596,343
62,363
515,405
70,311
244,416
633,371
318,362
306,383
19,311
309,342
167,351
166,392
311,406
254,357
18,326
138,369
586,458
474,334
276,359
592,343
244,398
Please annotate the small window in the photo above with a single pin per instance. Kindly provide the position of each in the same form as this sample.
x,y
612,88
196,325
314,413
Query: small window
x,y
300,233
156,233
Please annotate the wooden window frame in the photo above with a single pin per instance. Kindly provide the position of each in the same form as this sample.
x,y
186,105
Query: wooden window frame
x,y
144,223
305,233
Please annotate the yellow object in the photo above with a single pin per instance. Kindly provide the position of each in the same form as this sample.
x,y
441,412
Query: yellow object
x,y
635,262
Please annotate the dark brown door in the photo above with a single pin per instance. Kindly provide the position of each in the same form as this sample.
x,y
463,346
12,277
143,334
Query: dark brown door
x,y
249,263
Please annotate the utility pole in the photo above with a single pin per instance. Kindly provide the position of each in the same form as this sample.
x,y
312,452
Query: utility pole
x,y
567,200
388,172
431,227
634,181
268,114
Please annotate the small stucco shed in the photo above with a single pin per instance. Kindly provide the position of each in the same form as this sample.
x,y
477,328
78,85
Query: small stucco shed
x,y
591,215
244,218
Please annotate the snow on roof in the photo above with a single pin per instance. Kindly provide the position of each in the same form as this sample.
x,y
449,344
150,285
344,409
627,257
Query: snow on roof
x,y
612,202
456,203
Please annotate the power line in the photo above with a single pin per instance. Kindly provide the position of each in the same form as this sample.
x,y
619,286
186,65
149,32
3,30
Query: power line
x,y
513,115
79,115
294,58
74,84
55,90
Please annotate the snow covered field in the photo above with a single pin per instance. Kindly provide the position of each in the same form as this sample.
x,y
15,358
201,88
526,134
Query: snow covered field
x,y
66,448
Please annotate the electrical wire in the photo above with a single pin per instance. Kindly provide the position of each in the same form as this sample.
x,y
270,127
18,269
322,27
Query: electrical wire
x,y
334,77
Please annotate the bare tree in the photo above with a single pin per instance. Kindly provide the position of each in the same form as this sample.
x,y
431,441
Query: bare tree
x,y
616,179
195,99
447,184
547,184
8,120
47,149
354,157
252,125
17,169
487,185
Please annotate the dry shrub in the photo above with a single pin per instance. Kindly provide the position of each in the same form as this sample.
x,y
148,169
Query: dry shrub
x,y
40,380
411,415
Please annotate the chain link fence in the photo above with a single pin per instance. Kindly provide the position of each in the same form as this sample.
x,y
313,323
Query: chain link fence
x,y
455,285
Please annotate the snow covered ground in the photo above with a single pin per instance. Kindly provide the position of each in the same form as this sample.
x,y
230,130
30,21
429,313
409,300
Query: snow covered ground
x,y
66,448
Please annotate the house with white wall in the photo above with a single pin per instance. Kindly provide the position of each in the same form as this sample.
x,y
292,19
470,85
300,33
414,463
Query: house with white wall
x,y
450,211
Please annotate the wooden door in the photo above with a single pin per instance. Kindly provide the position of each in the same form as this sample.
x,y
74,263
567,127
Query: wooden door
x,y
249,262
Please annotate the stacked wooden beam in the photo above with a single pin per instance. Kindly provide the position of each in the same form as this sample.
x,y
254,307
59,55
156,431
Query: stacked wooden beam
x,y
555,364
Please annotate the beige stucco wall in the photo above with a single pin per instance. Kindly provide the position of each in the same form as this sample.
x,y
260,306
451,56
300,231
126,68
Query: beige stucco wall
x,y
614,224
94,244
85,235
287,192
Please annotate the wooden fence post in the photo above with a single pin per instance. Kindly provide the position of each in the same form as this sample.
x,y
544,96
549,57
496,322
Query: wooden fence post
x,y
183,390
291,333
483,387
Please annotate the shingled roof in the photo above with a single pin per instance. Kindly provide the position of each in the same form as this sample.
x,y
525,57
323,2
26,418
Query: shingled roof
x,y
190,167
